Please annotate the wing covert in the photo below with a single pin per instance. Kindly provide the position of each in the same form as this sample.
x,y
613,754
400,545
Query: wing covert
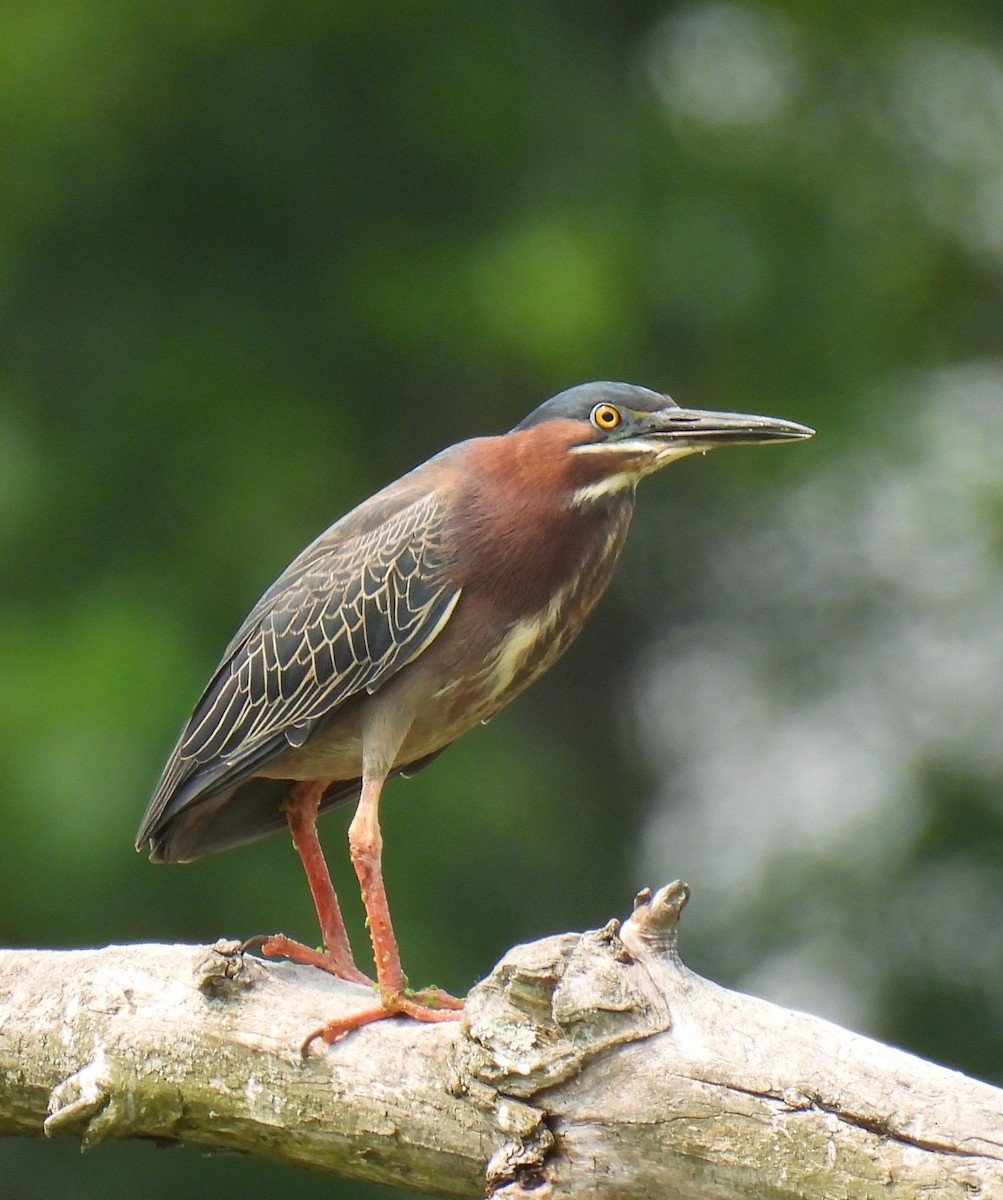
x,y
351,611
349,623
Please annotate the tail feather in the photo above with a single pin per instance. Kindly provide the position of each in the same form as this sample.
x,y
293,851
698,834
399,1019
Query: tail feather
x,y
253,809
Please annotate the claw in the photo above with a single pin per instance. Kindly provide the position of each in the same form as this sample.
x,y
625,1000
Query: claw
x,y
277,945
430,1005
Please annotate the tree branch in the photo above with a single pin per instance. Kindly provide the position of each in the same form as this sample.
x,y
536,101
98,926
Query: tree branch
x,y
588,1064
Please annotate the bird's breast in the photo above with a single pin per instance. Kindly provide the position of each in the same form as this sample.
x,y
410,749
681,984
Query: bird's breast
x,y
530,646
494,653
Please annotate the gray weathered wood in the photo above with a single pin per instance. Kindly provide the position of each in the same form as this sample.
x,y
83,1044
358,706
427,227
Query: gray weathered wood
x,y
587,1065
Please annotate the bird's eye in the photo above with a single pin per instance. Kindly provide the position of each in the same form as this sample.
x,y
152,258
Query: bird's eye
x,y
605,416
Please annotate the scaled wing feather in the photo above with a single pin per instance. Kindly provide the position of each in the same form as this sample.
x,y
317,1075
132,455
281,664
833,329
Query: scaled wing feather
x,y
314,650
352,610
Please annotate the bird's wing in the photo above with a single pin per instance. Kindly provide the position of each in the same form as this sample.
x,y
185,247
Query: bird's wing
x,y
364,599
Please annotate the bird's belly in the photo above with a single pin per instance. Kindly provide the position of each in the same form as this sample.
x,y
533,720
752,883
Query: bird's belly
x,y
471,696
333,752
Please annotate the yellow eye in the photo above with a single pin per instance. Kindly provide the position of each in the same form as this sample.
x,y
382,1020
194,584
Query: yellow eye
x,y
605,416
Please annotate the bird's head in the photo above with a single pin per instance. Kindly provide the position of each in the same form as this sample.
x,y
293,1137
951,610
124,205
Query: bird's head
x,y
616,433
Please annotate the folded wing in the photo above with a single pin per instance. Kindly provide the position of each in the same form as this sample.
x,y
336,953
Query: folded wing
x,y
366,598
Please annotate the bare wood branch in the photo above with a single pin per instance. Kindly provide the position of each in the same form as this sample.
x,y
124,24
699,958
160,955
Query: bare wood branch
x,y
588,1065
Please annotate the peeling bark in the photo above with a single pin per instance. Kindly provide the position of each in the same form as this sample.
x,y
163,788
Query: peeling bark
x,y
587,1065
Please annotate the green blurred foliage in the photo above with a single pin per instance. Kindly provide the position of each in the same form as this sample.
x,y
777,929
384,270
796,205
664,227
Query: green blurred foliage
x,y
256,259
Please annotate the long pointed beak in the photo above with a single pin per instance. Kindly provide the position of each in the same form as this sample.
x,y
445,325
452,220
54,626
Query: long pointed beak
x,y
692,428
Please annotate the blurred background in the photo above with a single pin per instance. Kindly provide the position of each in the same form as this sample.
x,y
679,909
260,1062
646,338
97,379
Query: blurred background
x,y
257,259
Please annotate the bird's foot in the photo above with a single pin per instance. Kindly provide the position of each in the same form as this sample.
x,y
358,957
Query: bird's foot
x,y
430,1004
277,945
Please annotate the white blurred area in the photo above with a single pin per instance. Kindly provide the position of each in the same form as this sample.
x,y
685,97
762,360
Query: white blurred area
x,y
946,98
848,650
743,79
825,716
731,66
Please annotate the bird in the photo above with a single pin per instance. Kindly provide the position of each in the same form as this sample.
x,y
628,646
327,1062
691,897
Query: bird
x,y
414,617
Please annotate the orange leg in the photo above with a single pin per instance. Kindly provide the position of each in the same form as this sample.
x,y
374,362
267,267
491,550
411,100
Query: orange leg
x,y
366,845
301,814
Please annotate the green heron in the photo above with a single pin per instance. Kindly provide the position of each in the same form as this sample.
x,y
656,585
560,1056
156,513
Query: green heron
x,y
417,615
